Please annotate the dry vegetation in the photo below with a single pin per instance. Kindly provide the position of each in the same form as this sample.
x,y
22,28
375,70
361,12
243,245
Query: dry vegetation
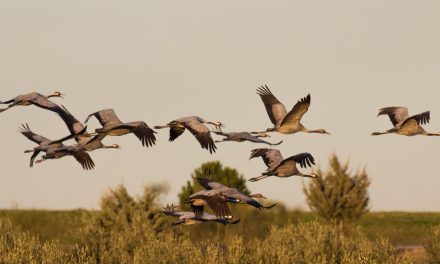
x,y
130,230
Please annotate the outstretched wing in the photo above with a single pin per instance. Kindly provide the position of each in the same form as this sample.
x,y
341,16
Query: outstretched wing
x,y
45,103
303,159
271,157
202,135
274,108
218,204
197,210
209,184
396,114
84,159
297,112
422,118
175,131
26,131
145,134
106,116
75,127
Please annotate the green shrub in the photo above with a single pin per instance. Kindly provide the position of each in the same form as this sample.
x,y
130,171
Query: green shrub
x,y
337,194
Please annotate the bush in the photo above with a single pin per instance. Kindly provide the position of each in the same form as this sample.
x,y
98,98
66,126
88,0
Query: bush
x,y
433,245
131,230
337,194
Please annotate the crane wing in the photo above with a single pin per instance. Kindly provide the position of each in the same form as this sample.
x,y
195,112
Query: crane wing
x,y
271,157
422,118
106,116
175,131
202,135
297,112
145,134
84,159
218,204
45,103
72,123
209,184
397,114
303,159
274,108
26,131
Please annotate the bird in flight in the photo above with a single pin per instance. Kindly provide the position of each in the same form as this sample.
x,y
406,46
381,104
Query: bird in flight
x,y
285,122
196,125
279,167
403,123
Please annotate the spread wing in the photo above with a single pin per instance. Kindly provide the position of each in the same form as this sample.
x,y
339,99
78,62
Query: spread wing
x,y
397,114
218,204
271,157
303,159
106,116
26,131
45,103
422,118
175,131
84,159
209,184
274,108
297,112
198,210
202,135
145,134
74,126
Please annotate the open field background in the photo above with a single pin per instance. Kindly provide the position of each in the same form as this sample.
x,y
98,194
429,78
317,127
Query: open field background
x,y
400,228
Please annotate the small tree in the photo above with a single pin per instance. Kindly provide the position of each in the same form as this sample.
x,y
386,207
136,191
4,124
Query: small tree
x,y
215,170
337,194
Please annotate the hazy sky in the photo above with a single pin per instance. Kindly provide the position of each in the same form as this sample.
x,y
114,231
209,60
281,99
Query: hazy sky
x,y
160,60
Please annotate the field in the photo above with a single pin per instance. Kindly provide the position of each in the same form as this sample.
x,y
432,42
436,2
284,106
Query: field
x,y
130,229
404,230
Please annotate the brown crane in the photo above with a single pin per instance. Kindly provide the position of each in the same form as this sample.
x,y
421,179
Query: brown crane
x,y
403,123
285,122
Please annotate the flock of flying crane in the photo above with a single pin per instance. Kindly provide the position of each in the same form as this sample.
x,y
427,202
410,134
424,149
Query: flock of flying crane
x,y
215,195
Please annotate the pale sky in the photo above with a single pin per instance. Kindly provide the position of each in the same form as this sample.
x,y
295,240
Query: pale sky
x,y
160,60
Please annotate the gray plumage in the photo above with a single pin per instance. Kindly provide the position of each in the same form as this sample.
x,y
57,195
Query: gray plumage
x,y
214,199
34,99
277,166
283,121
189,218
403,123
44,144
78,153
74,125
243,136
232,194
196,126
112,126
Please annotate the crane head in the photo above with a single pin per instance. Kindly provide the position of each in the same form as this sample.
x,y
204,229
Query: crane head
x,y
56,94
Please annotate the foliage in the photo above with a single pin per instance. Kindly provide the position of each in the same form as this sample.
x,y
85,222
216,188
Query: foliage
x,y
433,245
300,243
337,194
215,170
123,214
130,229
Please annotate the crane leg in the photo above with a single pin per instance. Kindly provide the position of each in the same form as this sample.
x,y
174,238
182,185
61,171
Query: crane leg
x,y
258,178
